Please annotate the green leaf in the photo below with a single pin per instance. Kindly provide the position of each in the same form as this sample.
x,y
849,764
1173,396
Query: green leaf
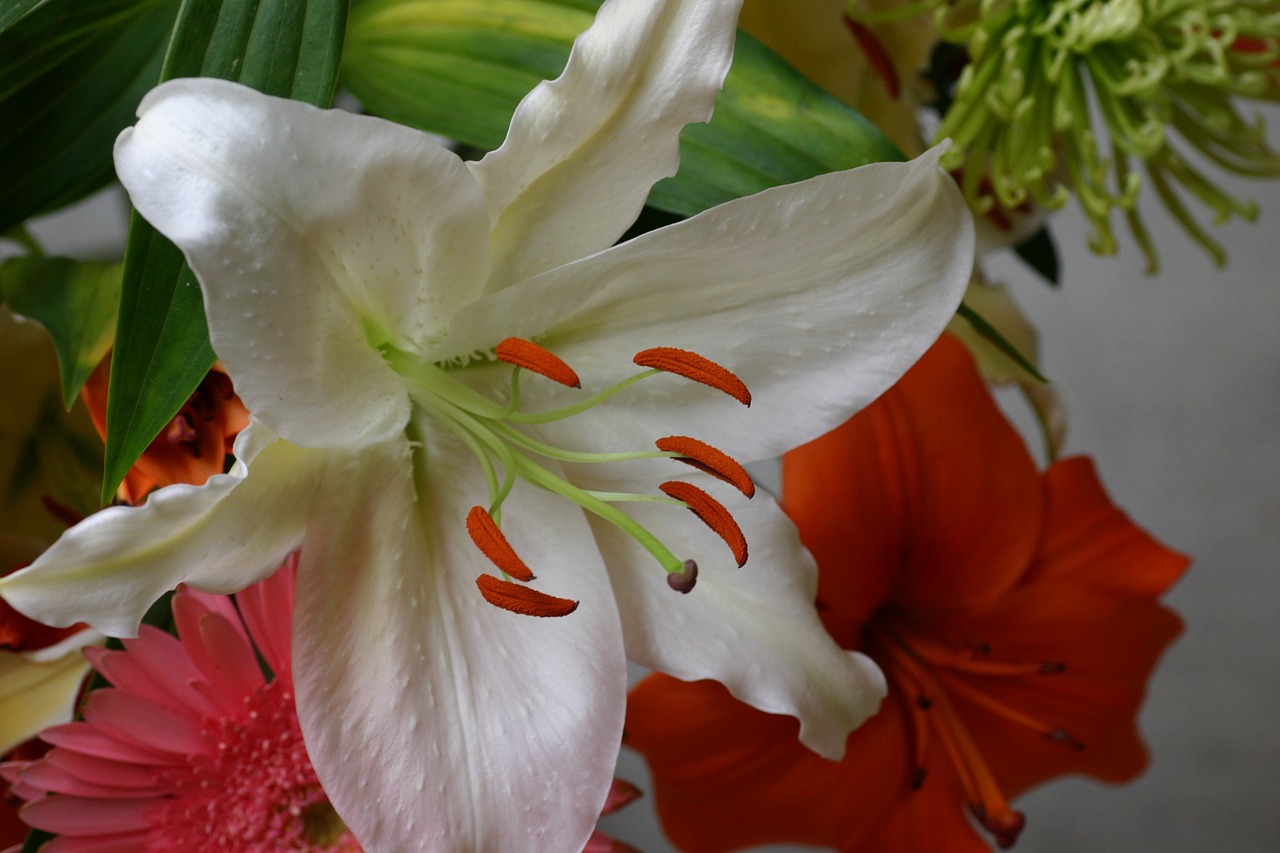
x,y
460,67
12,10
162,349
992,334
771,126
1039,252
289,48
35,839
76,302
71,75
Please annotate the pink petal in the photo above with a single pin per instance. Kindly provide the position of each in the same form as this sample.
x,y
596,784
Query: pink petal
x,y
140,723
89,740
232,653
43,776
621,792
267,610
78,816
128,843
103,771
189,614
220,604
164,659
127,674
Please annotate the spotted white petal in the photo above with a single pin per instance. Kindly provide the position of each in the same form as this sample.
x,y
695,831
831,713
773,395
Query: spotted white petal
x,y
583,150
435,720
220,537
819,295
317,236
753,629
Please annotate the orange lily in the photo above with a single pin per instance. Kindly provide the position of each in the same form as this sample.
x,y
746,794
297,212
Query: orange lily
x,y
1014,614
192,448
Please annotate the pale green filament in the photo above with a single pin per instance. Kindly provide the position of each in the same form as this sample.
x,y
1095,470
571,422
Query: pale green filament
x,y
504,452
1161,74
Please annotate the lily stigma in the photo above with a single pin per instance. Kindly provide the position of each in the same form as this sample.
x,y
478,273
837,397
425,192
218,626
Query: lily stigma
x,y
379,305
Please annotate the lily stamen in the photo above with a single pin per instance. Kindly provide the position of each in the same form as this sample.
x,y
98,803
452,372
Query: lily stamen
x,y
712,513
690,365
540,360
522,599
493,544
709,460
493,434
980,790
1053,733
941,655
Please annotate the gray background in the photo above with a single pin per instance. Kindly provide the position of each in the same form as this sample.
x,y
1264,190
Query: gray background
x,y
1171,383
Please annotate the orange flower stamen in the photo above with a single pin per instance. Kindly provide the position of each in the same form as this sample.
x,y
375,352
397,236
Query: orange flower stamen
x,y
521,599
1053,733
941,655
484,531
690,365
540,360
986,800
706,458
910,664
712,513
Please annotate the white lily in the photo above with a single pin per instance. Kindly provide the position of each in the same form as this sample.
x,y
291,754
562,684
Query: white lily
x,y
358,279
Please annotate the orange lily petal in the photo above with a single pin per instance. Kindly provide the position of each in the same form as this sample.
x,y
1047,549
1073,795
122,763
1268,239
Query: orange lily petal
x,y
928,493
1110,644
726,776
1027,603
192,448
1087,538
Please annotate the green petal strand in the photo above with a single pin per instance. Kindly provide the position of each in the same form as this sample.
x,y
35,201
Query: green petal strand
x,y
1161,74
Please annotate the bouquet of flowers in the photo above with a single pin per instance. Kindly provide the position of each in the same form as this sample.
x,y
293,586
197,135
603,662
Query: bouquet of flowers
x,y
432,381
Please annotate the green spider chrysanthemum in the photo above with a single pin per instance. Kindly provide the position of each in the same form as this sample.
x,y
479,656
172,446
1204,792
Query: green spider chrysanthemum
x,y
1159,73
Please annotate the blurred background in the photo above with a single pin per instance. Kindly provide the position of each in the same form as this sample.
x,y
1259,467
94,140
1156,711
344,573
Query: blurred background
x,y
1172,383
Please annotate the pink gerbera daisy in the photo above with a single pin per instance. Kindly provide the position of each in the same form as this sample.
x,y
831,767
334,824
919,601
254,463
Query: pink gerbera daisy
x,y
197,746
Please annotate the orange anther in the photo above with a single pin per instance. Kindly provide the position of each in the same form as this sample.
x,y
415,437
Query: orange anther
x,y
712,513
540,360
522,599
706,458
690,365
484,531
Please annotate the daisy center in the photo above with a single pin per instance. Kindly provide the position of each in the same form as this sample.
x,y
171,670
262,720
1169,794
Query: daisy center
x,y
253,787
500,436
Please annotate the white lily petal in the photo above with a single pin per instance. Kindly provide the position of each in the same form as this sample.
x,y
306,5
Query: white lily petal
x,y
435,720
40,691
583,150
317,236
819,295
753,629
220,537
